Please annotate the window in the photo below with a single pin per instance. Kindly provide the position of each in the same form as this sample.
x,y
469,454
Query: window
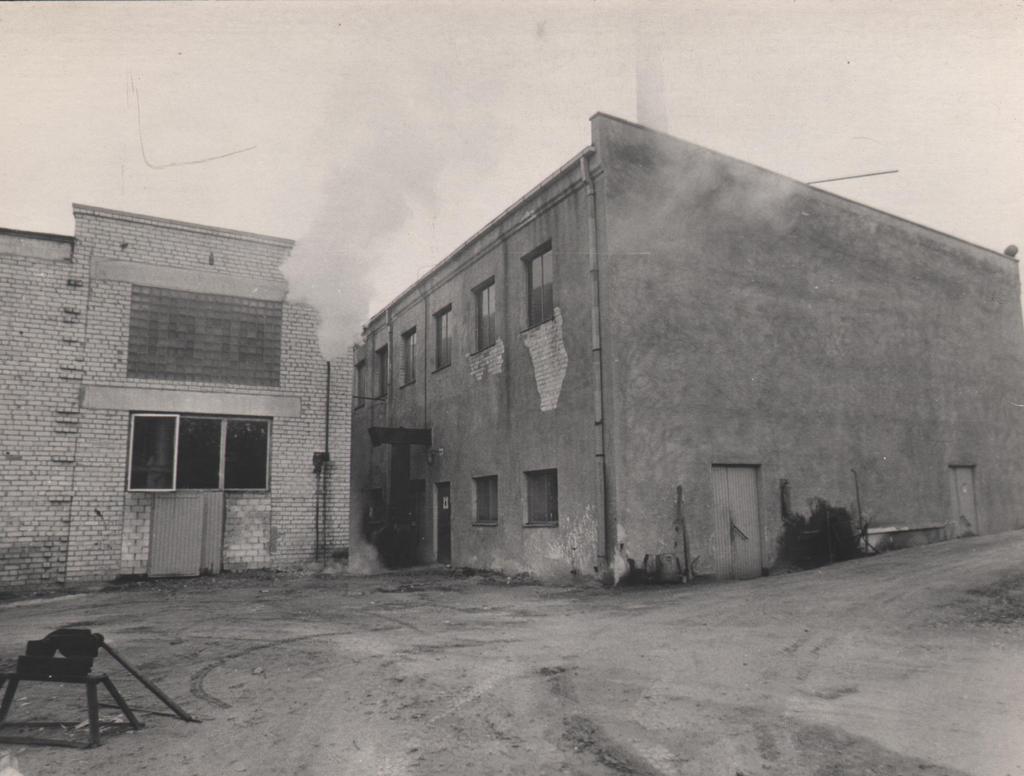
x,y
409,357
540,285
542,497
485,315
486,499
442,338
180,452
359,386
154,439
381,368
182,335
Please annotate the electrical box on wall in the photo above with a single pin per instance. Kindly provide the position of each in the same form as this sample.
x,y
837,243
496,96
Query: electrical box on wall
x,y
319,459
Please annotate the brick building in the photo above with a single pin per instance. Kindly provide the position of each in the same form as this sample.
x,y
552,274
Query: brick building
x,y
161,401
656,316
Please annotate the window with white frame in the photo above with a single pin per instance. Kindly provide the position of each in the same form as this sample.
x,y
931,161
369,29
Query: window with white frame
x,y
198,452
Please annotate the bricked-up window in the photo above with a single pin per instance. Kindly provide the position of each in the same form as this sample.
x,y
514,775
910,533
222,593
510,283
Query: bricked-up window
x,y
442,337
175,452
409,357
486,499
540,285
542,497
359,385
485,315
182,335
381,369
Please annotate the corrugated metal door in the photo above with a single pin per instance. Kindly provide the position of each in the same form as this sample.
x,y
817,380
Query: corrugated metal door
x,y
186,534
737,537
965,512
176,535
213,531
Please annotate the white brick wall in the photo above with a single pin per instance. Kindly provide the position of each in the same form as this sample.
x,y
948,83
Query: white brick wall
x,y
41,296
67,515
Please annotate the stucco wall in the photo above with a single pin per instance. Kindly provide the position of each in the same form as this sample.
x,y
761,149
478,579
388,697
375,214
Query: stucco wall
x,y
754,320
524,404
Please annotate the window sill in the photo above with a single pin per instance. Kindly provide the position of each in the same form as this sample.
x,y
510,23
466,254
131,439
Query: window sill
x,y
541,525
483,350
537,325
486,525
441,368
408,383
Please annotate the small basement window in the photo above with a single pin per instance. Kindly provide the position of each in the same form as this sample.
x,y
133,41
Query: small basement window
x,y
486,500
176,452
542,497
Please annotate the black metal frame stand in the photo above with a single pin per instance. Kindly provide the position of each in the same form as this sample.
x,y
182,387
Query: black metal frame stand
x,y
91,681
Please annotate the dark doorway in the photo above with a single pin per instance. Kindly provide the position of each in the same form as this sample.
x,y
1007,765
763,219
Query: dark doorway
x,y
444,522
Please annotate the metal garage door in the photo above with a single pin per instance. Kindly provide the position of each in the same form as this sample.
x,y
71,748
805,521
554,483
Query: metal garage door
x,y
737,541
186,534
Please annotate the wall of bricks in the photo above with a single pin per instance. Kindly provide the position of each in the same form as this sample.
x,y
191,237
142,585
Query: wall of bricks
x,y
248,521
42,298
67,515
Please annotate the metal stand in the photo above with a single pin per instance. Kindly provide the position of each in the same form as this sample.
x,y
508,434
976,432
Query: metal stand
x,y
92,699
79,647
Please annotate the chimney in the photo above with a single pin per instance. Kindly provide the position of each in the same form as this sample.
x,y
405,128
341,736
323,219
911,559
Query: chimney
x,y
650,83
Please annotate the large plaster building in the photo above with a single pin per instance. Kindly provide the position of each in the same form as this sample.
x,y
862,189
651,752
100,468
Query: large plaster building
x,y
161,402
656,316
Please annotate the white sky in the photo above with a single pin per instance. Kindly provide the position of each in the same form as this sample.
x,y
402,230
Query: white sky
x,y
444,114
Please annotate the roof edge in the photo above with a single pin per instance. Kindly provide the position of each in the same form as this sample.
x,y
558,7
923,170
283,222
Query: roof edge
x,y
188,226
826,192
547,181
63,238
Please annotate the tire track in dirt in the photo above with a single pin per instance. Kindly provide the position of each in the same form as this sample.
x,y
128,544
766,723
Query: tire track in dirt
x,y
197,680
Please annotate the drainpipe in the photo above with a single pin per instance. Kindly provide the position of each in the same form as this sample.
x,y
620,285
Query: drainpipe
x,y
606,547
327,458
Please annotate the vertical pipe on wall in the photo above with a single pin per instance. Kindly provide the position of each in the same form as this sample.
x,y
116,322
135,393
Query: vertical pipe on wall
x,y
606,547
327,458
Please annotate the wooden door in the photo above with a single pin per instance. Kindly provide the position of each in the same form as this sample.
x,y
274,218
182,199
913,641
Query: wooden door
x,y
737,539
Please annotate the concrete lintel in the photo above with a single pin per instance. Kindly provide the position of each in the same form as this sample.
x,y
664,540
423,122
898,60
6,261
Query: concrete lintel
x,y
189,280
112,397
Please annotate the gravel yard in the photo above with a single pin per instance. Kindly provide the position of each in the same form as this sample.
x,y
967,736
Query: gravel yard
x,y
910,662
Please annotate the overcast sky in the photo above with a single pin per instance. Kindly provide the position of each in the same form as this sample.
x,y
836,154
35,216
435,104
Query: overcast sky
x,y
393,131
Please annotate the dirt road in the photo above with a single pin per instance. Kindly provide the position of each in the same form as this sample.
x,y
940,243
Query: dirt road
x,y
912,662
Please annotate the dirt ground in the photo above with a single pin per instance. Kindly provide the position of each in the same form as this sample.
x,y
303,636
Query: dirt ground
x,y
907,663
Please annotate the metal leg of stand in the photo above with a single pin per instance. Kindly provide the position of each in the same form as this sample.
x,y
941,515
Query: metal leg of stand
x,y
94,712
5,705
121,703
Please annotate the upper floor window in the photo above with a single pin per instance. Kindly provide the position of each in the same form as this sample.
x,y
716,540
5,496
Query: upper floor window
x,y
485,336
442,337
359,385
540,286
409,357
381,370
